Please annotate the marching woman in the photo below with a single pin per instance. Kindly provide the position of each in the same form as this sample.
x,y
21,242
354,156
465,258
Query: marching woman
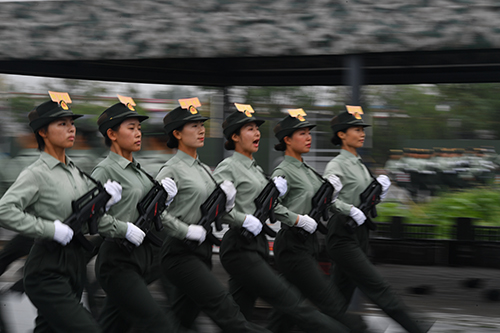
x,y
122,274
188,269
246,260
36,204
296,254
347,246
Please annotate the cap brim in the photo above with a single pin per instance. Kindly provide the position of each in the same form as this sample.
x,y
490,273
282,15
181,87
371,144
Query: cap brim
x,y
41,122
234,127
176,124
281,134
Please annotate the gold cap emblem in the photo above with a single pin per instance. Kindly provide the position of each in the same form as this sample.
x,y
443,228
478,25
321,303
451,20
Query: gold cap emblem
x,y
297,113
245,108
62,98
128,101
355,110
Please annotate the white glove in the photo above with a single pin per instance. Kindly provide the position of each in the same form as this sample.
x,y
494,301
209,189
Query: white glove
x,y
230,191
63,233
114,189
171,189
134,234
281,185
307,223
196,233
252,224
337,185
357,215
385,182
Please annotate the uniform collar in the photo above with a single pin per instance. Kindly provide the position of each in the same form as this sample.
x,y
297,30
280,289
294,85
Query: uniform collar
x,y
247,162
120,160
52,162
293,161
188,159
350,156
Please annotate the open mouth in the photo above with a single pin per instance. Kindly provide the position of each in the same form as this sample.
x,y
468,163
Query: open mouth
x,y
256,143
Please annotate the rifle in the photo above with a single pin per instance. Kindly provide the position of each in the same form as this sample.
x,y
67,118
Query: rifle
x,y
369,199
265,203
150,208
211,211
86,209
320,202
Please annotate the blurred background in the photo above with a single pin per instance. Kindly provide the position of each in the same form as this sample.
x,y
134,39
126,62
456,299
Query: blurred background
x,y
426,74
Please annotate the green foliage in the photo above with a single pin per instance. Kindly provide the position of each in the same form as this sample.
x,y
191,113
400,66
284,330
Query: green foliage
x,y
481,204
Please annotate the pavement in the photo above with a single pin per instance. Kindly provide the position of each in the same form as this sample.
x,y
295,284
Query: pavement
x,y
456,298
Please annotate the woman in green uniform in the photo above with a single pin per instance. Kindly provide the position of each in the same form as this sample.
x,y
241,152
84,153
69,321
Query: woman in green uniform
x,y
34,206
295,255
348,248
122,275
195,288
246,261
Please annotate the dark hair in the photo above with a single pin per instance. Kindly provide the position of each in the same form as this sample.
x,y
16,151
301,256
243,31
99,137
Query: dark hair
x,y
229,144
172,141
281,146
336,140
107,140
39,139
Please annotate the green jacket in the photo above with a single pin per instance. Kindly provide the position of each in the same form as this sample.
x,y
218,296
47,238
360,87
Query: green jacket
x,y
135,184
43,193
354,176
194,186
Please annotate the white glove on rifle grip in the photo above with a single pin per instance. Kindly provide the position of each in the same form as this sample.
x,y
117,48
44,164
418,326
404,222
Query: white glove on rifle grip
x,y
281,185
307,223
252,224
196,233
62,233
230,191
114,189
134,234
171,189
337,185
357,215
386,183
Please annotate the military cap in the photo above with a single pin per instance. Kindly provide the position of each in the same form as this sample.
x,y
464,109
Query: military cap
x,y
49,111
183,114
395,152
291,123
117,113
240,117
346,119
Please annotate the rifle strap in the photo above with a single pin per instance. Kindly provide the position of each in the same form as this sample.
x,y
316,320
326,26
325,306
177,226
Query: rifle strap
x,y
367,168
154,181
84,174
315,172
208,173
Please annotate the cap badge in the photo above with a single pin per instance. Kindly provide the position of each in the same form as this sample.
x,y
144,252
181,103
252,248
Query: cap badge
x,y
297,113
245,108
190,104
62,98
193,110
356,111
127,101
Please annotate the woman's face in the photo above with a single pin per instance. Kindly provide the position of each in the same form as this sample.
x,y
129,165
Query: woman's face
x,y
300,141
248,139
192,135
129,134
60,133
353,137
